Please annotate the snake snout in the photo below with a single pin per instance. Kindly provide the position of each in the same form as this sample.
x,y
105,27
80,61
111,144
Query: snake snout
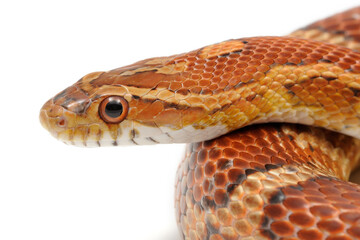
x,y
52,118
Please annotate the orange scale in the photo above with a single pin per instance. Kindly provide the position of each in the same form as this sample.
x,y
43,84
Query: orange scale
x,y
287,156
264,46
323,211
233,57
261,50
199,68
285,54
263,68
226,77
213,87
305,49
230,153
295,60
210,169
220,66
338,53
223,164
312,88
355,55
343,65
208,71
317,200
221,60
195,77
250,69
215,154
211,63
247,140
280,43
295,203
241,65
237,175
305,234
272,55
302,219
267,61
282,228
254,62
246,77
322,51
329,90
346,93
247,52
290,192
290,49
330,191
240,163
349,60
350,217
268,151
203,83
331,226
299,55
196,90
277,148
244,58
222,85
352,196
198,192
238,145
281,60
354,232
175,86
229,69
191,58
200,62
220,197
332,58
278,161
276,211
356,68
245,156
262,159
208,186
220,179
308,60
254,150
274,49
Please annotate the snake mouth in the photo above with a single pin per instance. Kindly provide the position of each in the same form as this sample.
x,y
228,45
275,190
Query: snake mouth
x,y
79,130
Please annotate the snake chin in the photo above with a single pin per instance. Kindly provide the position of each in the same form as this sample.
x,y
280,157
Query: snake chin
x,y
145,135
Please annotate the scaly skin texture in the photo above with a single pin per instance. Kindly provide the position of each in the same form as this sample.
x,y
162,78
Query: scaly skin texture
x,y
216,89
342,29
274,181
270,182
267,181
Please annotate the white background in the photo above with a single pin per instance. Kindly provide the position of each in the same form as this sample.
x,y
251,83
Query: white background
x,y
49,190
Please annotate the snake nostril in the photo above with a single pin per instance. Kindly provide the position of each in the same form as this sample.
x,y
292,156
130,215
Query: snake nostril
x,y
61,122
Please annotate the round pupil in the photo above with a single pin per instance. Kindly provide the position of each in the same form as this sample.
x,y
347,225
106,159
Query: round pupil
x,y
113,109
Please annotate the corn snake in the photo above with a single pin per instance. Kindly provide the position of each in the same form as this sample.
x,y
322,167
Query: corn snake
x,y
214,90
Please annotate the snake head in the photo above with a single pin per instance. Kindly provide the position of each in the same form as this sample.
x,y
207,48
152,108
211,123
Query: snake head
x,y
128,105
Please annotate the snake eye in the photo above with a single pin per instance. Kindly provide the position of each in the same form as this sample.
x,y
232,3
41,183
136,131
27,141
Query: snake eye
x,y
113,109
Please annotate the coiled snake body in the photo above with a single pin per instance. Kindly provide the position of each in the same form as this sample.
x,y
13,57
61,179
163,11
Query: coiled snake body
x,y
264,181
